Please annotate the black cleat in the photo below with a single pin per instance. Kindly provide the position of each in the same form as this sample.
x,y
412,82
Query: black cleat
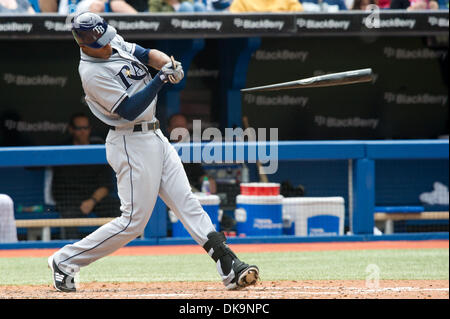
x,y
61,281
235,273
244,275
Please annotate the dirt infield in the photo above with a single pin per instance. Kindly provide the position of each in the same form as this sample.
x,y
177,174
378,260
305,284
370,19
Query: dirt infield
x,y
317,289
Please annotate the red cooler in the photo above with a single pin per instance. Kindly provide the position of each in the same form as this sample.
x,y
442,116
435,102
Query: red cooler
x,y
260,189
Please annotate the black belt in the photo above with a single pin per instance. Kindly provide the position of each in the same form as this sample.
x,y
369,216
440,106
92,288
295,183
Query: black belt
x,y
140,127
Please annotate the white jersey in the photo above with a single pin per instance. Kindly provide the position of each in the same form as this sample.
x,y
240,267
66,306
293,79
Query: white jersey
x,y
107,82
146,164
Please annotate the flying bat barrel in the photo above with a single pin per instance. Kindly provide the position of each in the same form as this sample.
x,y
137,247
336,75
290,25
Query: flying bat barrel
x,y
333,79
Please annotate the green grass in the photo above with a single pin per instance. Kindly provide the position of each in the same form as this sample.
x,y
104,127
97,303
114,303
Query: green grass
x,y
316,265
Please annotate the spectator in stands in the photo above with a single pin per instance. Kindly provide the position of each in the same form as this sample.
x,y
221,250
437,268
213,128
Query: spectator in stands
x,y
138,5
239,6
117,6
423,5
323,5
82,190
176,6
217,5
194,171
60,6
412,5
383,4
362,4
16,7
71,6
443,4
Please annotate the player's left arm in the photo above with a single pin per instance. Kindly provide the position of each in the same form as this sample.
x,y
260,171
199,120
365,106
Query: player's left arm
x,y
157,59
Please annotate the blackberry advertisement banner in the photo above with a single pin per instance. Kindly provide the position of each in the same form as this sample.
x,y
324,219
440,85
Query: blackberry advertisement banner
x,y
40,86
224,25
407,99
40,90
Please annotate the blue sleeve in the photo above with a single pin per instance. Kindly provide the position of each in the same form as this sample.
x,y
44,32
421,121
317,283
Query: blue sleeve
x,y
131,107
141,54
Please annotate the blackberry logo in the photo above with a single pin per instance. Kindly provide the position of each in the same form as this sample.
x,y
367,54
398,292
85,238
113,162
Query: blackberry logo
x,y
405,99
57,26
36,80
281,55
354,122
16,27
392,23
197,24
258,24
278,100
438,22
134,25
413,54
323,24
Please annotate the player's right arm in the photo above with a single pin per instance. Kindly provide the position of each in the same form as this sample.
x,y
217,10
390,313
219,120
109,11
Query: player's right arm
x,y
131,107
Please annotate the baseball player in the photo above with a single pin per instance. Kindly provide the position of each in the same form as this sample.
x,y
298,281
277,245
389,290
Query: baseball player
x,y
121,92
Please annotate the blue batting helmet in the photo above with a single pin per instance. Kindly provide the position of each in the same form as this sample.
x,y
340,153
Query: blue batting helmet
x,y
92,30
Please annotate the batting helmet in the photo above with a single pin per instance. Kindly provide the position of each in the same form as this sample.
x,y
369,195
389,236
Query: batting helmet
x,y
92,30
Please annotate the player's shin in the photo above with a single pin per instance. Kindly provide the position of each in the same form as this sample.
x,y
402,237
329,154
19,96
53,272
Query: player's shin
x,y
235,273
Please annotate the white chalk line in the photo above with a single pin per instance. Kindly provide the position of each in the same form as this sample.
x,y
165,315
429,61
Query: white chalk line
x,y
394,289
340,290
161,295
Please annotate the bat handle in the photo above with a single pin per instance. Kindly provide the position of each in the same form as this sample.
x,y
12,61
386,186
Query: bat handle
x,y
173,62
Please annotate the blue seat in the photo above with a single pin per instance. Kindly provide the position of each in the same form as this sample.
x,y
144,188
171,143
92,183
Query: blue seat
x,y
26,188
24,185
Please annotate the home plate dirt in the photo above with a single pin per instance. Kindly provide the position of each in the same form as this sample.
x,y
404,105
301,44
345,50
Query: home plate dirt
x,y
318,289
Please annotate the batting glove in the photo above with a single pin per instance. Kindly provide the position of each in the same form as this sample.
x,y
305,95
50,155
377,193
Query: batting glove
x,y
171,74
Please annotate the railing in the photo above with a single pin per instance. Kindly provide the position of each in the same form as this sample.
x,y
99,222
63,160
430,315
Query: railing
x,y
361,156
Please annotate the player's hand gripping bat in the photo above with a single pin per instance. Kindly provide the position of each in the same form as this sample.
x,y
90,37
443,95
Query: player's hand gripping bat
x,y
177,72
